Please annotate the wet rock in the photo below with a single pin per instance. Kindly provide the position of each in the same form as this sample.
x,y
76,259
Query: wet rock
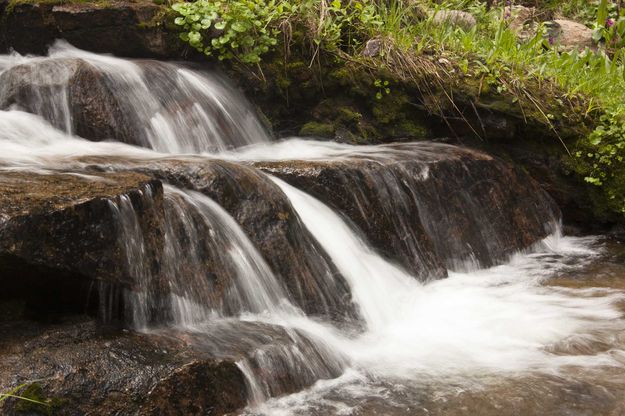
x,y
458,18
81,369
71,94
267,218
427,205
60,233
124,28
276,360
569,35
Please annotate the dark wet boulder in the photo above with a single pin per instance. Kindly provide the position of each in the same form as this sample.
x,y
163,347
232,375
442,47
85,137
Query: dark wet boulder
x,y
61,233
426,204
125,28
373,198
78,368
71,94
267,218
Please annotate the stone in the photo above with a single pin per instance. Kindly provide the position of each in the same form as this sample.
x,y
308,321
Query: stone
x,y
268,219
523,21
429,206
125,28
569,35
373,47
84,369
42,88
458,18
60,233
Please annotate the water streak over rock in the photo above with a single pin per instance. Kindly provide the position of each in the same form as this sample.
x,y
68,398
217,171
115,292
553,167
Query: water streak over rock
x,y
427,204
163,106
267,218
58,233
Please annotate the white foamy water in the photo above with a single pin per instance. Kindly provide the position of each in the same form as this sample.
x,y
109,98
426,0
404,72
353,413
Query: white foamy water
x,y
500,320
28,140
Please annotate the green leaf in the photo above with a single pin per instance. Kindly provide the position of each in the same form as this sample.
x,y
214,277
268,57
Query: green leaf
x,y
602,13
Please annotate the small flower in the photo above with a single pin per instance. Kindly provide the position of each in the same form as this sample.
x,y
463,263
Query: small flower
x,y
551,40
609,23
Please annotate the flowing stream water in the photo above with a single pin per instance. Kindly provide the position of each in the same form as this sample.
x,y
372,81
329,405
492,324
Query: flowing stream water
x,y
541,332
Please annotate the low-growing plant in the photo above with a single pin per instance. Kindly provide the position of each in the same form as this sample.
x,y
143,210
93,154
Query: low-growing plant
x,y
14,393
241,29
346,24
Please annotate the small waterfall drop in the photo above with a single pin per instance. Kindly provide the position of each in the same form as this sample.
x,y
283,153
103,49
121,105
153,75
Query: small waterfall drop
x,y
162,106
446,326
207,266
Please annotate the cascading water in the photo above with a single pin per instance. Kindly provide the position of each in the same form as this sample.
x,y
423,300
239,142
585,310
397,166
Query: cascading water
x,y
158,105
203,278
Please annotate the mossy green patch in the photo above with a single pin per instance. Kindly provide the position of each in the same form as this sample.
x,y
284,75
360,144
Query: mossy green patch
x,y
37,402
316,129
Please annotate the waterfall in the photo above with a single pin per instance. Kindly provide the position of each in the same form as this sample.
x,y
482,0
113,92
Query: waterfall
x,y
207,266
372,279
197,230
447,326
441,258
162,106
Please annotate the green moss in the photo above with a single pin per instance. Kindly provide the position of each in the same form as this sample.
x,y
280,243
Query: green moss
x,y
164,17
413,129
34,391
317,129
348,116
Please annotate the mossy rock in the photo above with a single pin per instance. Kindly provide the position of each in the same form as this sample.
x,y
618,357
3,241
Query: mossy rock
x,y
316,129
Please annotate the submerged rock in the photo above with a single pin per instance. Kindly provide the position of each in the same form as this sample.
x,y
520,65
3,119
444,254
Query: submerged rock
x,y
427,205
72,95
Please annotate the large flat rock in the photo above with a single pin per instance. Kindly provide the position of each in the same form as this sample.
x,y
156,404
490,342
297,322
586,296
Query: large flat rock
x,y
426,204
84,370
60,233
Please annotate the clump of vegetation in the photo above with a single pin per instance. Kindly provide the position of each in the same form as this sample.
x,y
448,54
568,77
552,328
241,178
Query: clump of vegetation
x,y
241,29
558,88
31,398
